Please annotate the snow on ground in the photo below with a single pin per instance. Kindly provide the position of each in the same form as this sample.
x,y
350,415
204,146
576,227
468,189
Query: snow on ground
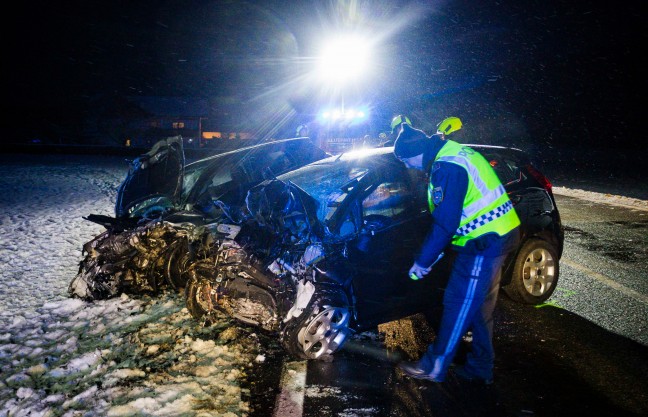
x,y
617,200
41,224
118,357
122,357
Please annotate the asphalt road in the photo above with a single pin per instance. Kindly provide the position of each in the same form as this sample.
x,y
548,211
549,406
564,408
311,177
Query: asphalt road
x,y
583,353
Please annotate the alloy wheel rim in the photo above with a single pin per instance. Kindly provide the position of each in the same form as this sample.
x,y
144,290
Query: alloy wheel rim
x,y
539,271
325,333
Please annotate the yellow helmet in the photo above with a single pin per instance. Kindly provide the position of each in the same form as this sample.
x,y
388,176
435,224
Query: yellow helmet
x,y
449,125
398,120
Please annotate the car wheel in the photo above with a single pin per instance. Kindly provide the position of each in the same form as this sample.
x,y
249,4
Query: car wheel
x,y
318,332
177,264
535,273
198,297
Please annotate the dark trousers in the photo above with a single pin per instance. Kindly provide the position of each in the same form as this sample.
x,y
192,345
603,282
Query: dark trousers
x,y
468,304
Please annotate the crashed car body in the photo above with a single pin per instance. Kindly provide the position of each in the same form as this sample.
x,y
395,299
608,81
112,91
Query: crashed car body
x,y
323,251
339,236
168,213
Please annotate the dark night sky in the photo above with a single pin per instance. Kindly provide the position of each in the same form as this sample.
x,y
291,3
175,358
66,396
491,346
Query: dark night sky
x,y
541,72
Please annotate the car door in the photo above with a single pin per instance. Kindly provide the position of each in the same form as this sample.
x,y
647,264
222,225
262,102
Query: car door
x,y
394,223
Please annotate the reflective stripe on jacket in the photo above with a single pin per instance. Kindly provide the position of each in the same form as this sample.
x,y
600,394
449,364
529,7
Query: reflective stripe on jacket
x,y
486,206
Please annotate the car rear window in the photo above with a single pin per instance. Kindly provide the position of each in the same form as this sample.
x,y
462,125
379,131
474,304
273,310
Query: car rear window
x,y
506,165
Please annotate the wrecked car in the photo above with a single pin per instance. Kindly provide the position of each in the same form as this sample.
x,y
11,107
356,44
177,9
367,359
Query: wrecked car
x,y
337,237
322,251
168,213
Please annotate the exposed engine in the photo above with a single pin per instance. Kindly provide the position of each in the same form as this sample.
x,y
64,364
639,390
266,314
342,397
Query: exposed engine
x,y
146,259
259,277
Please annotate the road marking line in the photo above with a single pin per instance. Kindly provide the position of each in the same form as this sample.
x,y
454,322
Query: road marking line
x,y
290,400
607,281
549,304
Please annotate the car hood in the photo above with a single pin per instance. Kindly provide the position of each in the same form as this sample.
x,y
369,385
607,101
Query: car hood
x,y
155,175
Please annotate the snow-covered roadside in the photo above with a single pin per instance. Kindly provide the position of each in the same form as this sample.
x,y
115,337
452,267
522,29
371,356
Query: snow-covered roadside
x,y
42,228
122,357
616,200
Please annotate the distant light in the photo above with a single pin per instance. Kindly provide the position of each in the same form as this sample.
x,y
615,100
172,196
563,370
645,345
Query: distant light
x,y
344,58
347,115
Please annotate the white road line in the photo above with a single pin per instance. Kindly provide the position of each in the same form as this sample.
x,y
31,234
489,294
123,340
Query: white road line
x,y
607,281
290,400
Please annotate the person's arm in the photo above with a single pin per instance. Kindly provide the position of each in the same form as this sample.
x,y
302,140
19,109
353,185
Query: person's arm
x,y
450,185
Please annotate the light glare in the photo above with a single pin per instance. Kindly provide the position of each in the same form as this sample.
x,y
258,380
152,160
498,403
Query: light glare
x,y
344,59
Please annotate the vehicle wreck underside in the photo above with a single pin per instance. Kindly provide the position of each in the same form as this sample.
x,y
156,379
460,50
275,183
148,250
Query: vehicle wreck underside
x,y
267,271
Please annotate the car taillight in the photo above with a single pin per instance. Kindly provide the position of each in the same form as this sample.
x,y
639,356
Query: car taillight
x,y
540,177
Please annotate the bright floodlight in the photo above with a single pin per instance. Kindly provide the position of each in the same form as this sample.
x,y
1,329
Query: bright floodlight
x,y
344,59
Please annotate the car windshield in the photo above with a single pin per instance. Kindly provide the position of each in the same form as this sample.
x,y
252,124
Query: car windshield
x,y
221,175
329,183
191,175
226,176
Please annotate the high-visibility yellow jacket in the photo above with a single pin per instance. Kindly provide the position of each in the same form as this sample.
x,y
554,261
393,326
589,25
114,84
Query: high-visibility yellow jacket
x,y
486,206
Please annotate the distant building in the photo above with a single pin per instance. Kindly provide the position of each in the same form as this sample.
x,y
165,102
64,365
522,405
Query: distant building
x,y
146,119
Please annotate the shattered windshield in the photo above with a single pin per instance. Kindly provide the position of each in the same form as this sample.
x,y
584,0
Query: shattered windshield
x,y
328,183
191,175
219,176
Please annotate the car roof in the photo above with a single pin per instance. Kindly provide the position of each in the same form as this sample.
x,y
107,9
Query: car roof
x,y
365,152
247,149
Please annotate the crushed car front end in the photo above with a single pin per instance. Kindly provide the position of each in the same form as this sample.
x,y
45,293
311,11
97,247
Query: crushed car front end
x,y
282,274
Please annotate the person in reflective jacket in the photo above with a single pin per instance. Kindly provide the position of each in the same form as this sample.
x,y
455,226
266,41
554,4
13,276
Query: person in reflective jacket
x,y
474,218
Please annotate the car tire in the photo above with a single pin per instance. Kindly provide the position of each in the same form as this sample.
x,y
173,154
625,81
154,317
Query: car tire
x,y
318,332
198,297
177,263
535,273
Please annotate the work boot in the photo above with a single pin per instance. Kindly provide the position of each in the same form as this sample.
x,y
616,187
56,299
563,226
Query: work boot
x,y
464,375
415,370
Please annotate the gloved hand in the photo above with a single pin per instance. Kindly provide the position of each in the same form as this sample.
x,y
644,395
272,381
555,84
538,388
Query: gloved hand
x,y
417,272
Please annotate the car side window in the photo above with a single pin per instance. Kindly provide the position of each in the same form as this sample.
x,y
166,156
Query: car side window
x,y
507,169
389,199
279,162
